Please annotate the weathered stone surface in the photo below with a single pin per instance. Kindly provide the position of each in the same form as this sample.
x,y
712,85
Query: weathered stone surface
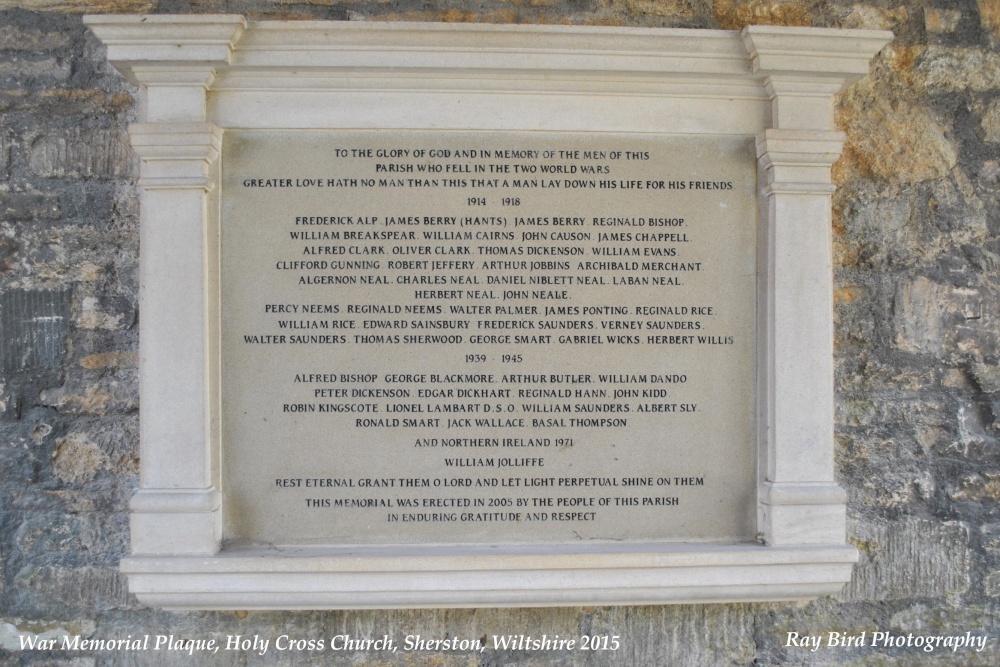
x,y
990,123
109,395
19,68
987,377
66,662
111,314
926,313
56,257
13,38
989,15
847,294
989,171
83,6
991,540
955,208
64,102
941,20
734,15
29,206
909,559
11,628
921,618
891,135
452,15
975,439
959,69
319,3
971,447
658,8
874,18
888,658
814,619
977,487
952,321
685,636
33,329
855,413
75,588
61,539
882,233
895,489
110,360
5,142
77,459
118,441
80,153
991,584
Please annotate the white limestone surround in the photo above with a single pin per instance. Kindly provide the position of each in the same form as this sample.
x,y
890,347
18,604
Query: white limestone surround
x,y
199,76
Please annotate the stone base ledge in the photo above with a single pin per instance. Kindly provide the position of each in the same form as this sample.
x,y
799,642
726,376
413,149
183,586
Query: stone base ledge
x,y
488,576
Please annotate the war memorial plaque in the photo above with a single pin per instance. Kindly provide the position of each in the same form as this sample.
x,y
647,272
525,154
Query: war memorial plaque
x,y
474,315
461,337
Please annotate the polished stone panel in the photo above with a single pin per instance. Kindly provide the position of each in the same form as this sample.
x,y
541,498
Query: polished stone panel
x,y
487,337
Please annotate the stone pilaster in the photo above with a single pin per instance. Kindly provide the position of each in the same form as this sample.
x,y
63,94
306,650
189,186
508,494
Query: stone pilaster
x,y
174,60
800,502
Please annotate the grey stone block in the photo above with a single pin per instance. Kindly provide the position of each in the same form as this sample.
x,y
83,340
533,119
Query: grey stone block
x,y
33,329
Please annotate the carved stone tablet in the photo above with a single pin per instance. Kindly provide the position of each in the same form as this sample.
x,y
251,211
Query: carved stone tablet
x,y
462,337
472,315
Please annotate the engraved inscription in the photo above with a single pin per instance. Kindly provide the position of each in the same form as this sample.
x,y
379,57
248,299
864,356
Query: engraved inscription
x,y
442,337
